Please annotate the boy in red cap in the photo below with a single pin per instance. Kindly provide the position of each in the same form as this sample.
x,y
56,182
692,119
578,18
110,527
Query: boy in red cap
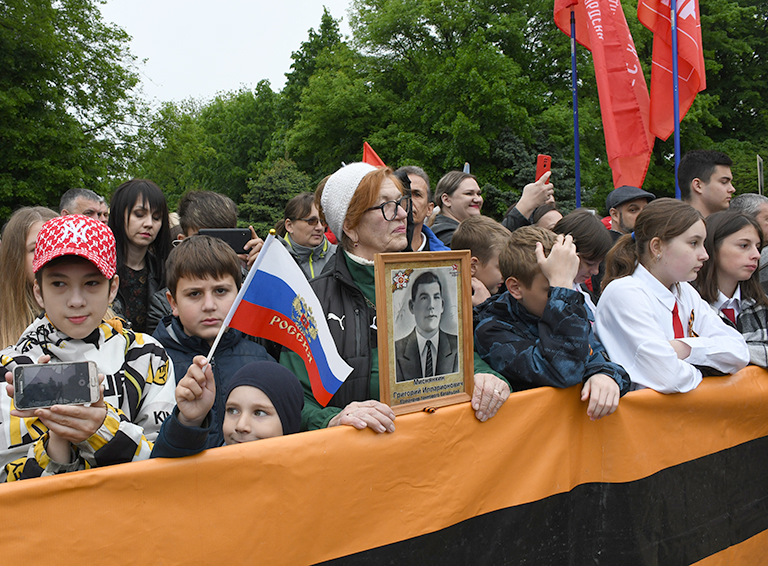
x,y
75,282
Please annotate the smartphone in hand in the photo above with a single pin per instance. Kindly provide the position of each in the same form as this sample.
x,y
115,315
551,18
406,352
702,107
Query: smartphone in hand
x,y
543,164
38,386
235,237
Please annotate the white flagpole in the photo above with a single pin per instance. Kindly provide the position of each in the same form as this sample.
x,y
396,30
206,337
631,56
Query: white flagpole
x,y
239,298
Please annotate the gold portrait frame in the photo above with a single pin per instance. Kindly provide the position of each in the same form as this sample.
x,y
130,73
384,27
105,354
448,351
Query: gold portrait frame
x,y
401,385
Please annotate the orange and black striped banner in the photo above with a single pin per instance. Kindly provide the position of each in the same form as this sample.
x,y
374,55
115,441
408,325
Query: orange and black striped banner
x,y
667,479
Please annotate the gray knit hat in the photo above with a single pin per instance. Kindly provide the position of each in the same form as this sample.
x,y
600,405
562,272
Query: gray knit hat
x,y
338,193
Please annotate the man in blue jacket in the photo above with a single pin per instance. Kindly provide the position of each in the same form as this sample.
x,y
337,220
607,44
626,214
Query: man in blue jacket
x,y
423,239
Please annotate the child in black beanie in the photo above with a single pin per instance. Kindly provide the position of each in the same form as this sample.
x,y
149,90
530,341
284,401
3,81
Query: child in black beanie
x,y
263,400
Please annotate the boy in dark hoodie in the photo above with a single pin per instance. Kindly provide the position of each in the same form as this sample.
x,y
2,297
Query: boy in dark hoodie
x,y
538,332
203,276
263,400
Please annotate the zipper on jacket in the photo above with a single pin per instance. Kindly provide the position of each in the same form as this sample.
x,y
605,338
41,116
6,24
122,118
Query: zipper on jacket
x,y
358,333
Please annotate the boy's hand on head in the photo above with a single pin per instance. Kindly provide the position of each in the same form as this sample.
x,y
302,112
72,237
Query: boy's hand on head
x,y
196,392
366,414
603,394
536,194
562,265
253,246
488,396
480,292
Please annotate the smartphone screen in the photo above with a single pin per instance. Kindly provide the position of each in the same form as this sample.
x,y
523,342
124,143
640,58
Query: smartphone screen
x,y
235,237
543,164
45,385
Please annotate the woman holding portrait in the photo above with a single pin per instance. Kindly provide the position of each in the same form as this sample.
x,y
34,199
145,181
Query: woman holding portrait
x,y
365,208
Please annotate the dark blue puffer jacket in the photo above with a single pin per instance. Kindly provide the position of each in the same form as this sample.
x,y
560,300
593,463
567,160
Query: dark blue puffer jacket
x,y
232,353
558,350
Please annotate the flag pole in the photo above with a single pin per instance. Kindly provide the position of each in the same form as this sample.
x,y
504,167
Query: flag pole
x,y
575,91
240,293
675,92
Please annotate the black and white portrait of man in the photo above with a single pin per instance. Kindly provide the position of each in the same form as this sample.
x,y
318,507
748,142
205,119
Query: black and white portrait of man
x,y
428,350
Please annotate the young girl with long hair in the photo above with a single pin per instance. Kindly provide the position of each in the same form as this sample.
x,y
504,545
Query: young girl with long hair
x,y
18,307
650,319
730,282
138,218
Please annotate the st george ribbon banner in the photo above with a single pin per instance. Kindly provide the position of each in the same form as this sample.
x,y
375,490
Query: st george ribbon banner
x,y
624,102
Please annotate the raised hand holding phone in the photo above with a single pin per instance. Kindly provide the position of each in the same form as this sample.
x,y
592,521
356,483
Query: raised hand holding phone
x,y
535,194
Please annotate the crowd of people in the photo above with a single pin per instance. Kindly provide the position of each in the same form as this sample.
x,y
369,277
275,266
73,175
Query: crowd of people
x,y
657,294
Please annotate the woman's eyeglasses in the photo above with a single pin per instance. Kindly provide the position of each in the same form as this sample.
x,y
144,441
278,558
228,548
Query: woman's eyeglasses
x,y
311,221
389,208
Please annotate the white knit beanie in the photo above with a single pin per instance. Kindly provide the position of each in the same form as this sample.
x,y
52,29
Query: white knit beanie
x,y
338,193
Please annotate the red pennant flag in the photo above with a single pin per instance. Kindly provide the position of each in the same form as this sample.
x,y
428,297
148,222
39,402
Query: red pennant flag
x,y
624,103
370,157
655,15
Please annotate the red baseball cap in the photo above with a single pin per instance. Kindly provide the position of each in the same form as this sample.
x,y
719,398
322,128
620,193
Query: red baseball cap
x,y
78,235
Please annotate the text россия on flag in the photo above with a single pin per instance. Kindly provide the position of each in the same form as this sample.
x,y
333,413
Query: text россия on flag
x,y
277,303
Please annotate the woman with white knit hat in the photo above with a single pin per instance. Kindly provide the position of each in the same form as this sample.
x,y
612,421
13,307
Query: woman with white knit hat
x,y
365,208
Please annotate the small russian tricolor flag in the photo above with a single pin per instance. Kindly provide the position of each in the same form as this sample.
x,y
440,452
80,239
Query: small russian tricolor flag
x,y
277,303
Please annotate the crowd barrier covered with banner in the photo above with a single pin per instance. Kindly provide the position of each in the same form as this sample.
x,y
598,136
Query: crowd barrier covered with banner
x,y
665,480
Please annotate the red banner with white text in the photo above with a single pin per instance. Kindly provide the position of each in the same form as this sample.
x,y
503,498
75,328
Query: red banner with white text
x,y
655,15
624,102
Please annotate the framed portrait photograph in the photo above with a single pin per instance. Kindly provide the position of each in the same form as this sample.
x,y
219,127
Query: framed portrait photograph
x,y
424,329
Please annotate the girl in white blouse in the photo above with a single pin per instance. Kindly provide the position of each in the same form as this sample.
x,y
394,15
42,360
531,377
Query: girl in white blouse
x,y
650,319
730,282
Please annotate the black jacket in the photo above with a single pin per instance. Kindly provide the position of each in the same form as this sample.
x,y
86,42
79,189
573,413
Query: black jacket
x,y
233,352
559,349
514,220
444,227
350,320
155,282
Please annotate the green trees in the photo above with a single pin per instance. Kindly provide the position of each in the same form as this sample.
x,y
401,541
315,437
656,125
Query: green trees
x,y
215,147
67,110
267,195
425,82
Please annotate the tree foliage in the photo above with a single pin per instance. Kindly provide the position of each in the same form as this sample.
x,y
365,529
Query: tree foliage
x,y
67,108
426,82
216,146
267,195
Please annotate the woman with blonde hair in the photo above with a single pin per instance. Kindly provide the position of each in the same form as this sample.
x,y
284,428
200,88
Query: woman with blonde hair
x,y
18,307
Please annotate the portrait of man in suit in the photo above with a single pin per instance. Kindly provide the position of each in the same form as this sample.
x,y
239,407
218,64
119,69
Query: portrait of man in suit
x,y
427,351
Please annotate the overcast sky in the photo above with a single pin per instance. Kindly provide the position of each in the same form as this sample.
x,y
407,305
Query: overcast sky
x,y
197,48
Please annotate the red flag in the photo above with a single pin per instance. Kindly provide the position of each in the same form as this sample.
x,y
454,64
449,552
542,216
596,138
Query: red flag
x,y
370,157
655,15
624,103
